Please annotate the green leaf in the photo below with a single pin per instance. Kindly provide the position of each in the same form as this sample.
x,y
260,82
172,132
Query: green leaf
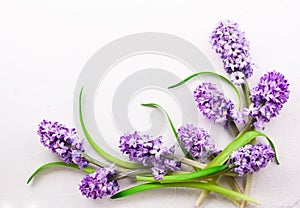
x,y
154,105
215,75
99,150
185,176
235,144
198,185
51,164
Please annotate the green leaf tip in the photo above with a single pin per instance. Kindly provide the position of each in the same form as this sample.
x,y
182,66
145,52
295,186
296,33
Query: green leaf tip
x,y
52,164
214,75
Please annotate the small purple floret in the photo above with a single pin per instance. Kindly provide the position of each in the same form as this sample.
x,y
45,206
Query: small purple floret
x,y
100,183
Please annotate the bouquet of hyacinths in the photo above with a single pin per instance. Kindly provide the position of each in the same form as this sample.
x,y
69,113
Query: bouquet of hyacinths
x,y
156,164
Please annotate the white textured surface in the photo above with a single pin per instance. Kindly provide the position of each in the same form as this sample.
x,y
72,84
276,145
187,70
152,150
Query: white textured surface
x,y
45,44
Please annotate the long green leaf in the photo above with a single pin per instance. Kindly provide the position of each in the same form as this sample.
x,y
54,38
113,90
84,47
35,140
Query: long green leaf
x,y
99,150
198,185
154,105
215,75
51,164
235,144
185,176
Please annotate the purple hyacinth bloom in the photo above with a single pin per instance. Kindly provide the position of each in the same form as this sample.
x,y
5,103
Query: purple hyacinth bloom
x,y
251,158
196,141
100,183
268,98
63,141
149,151
230,43
214,105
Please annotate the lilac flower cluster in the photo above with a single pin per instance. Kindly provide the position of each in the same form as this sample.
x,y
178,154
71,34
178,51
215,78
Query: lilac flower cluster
x,y
230,43
214,105
62,141
196,141
149,151
268,98
100,183
251,158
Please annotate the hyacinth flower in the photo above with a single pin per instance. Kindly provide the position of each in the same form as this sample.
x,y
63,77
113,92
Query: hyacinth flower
x,y
66,143
268,98
230,43
62,141
215,106
251,158
197,142
100,183
151,152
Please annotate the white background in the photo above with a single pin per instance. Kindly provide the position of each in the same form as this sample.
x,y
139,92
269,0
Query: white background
x,y
45,44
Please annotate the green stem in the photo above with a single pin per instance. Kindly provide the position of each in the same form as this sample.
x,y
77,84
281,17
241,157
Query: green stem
x,y
92,160
187,161
100,164
247,127
246,92
233,126
234,186
134,173
248,185
202,197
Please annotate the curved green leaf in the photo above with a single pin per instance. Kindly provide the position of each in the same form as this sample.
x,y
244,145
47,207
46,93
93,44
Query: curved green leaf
x,y
99,150
235,144
198,185
51,164
154,105
185,176
215,75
